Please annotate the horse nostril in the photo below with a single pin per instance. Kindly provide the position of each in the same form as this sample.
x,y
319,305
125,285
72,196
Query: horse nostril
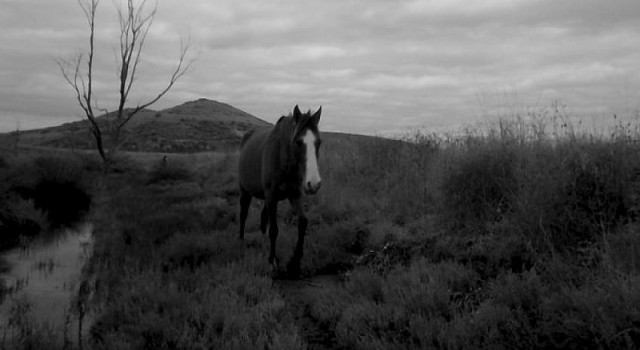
x,y
318,185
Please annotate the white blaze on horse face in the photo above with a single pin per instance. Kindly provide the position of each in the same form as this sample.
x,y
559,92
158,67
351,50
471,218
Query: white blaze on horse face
x,y
311,174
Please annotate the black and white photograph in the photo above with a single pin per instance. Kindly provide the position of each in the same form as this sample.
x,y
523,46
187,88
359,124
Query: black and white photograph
x,y
344,175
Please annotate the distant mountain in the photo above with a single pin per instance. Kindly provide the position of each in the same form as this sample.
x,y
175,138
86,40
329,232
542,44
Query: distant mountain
x,y
195,126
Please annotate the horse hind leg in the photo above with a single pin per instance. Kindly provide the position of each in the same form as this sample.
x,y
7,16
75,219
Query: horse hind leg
x,y
264,219
245,201
272,210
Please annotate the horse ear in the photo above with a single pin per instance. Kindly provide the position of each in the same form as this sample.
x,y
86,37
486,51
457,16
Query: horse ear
x,y
296,114
315,118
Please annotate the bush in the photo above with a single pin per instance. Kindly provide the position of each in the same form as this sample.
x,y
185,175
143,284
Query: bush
x,y
559,193
61,189
603,314
481,186
408,307
19,217
169,171
624,249
230,308
40,193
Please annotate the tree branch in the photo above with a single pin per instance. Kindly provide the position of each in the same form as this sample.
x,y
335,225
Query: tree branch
x,y
135,23
181,69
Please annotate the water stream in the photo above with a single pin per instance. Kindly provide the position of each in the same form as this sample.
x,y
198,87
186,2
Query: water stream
x,y
46,275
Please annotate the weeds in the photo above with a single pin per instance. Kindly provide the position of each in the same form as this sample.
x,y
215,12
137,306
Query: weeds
x,y
521,234
528,215
21,332
169,171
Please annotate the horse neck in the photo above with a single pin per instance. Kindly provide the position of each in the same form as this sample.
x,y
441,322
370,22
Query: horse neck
x,y
285,134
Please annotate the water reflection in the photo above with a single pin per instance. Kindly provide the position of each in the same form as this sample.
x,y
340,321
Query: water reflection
x,y
46,274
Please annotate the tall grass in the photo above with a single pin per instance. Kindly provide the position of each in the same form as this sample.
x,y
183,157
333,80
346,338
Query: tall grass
x,y
166,273
517,234
536,217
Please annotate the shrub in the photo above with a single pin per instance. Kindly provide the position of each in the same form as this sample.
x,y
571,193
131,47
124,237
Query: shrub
x,y
195,250
19,218
624,249
41,193
329,248
218,303
603,314
169,171
480,189
61,189
408,307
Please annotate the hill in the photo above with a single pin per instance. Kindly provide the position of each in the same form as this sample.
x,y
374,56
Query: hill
x,y
195,126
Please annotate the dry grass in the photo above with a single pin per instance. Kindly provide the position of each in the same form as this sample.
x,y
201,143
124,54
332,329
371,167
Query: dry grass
x,y
519,234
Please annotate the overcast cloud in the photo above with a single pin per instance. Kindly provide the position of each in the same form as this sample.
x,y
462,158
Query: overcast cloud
x,y
374,66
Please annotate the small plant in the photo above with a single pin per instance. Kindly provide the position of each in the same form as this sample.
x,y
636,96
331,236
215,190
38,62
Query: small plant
x,y
166,170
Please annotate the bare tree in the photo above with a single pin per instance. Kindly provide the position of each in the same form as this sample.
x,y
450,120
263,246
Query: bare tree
x,y
135,22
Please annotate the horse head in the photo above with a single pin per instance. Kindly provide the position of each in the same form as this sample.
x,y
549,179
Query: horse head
x,y
305,146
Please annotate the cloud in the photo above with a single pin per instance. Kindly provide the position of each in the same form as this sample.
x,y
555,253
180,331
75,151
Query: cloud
x,y
373,65
388,82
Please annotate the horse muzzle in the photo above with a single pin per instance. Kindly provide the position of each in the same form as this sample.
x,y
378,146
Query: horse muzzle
x,y
311,188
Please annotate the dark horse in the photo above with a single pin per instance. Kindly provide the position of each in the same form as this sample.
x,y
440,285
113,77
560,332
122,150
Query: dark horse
x,y
278,163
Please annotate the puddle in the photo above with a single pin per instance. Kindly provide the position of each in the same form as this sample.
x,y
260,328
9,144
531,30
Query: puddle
x,y
46,274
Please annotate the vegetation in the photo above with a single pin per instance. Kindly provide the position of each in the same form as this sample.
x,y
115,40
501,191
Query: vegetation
x,y
42,192
519,234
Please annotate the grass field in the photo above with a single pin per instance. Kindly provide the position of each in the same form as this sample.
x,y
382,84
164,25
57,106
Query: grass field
x,y
519,234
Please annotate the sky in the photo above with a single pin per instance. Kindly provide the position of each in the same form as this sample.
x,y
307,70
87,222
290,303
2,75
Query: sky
x,y
375,66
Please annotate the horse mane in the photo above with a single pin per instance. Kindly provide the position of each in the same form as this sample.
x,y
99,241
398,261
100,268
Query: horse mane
x,y
246,136
304,119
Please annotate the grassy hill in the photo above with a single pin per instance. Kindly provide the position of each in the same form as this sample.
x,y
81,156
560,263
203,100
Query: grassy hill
x,y
195,126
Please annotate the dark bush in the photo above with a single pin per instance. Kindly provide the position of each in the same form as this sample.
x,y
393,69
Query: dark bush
x,y
590,203
19,217
41,193
480,188
61,189
574,194
194,250
603,314
166,170
64,202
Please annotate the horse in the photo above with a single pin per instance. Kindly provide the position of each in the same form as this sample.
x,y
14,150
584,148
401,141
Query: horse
x,y
278,163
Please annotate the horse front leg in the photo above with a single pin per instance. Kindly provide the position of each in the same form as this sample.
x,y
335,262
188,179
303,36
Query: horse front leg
x,y
272,209
294,264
